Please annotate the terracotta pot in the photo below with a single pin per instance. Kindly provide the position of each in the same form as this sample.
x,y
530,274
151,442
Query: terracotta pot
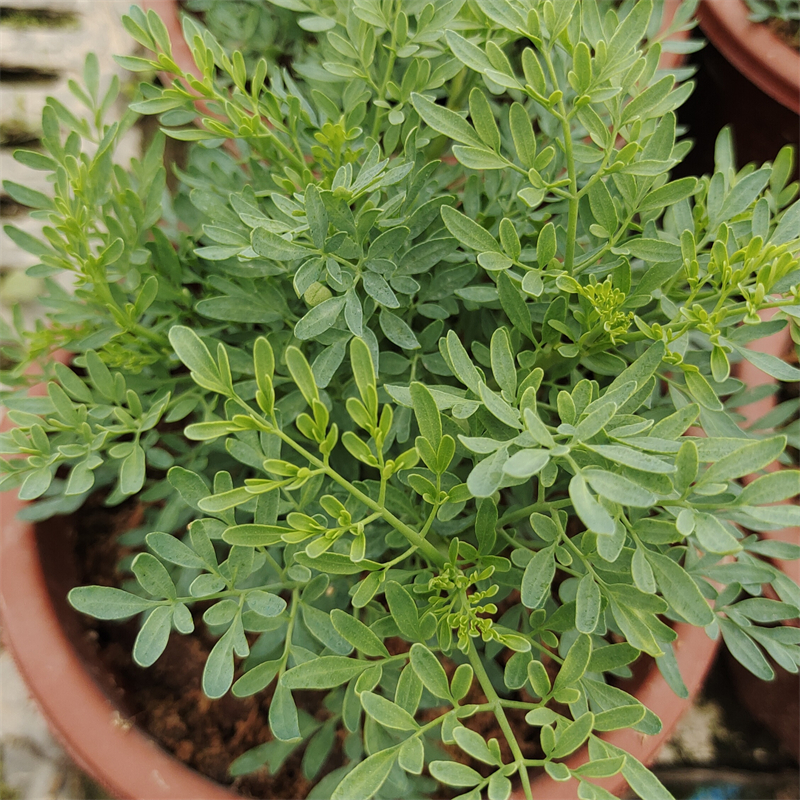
x,y
758,53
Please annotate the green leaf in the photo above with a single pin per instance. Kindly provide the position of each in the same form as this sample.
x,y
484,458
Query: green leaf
x,y
269,245
749,458
639,778
587,609
336,563
452,773
575,664
603,207
468,232
595,422
476,158
546,245
397,331
772,488
256,679
502,358
632,458
713,536
105,602
499,408
483,119
463,368
591,513
538,577
367,777
218,671
412,755
387,713
526,463
317,216
403,609
514,305
538,677
427,413
474,745
653,250
573,736
461,682
302,374
319,319
324,672
172,549
776,367
194,354
745,650
522,134
265,604
358,634
700,389
642,369
191,487
557,771
250,535
669,194
486,477
430,671
485,525
600,767
319,624
612,656
445,121
153,637
467,53
153,576
619,489
679,590
620,717
283,721
760,609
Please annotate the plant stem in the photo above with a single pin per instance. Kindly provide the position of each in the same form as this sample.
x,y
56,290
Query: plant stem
x,y
572,218
496,706
431,553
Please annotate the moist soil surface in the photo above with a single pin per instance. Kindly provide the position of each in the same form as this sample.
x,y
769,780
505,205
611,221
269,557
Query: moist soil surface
x,y
167,701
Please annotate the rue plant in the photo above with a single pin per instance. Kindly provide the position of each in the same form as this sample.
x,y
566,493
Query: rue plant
x,y
423,379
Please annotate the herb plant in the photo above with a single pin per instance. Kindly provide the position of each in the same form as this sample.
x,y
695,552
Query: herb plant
x,y
423,378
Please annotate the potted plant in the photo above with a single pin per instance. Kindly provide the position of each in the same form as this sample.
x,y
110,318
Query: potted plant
x,y
414,438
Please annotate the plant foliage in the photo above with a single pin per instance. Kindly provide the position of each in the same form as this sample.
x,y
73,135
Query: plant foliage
x,y
423,377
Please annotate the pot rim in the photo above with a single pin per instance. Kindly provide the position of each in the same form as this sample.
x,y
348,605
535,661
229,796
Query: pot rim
x,y
758,53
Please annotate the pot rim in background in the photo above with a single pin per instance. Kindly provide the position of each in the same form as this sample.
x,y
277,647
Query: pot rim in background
x,y
753,49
